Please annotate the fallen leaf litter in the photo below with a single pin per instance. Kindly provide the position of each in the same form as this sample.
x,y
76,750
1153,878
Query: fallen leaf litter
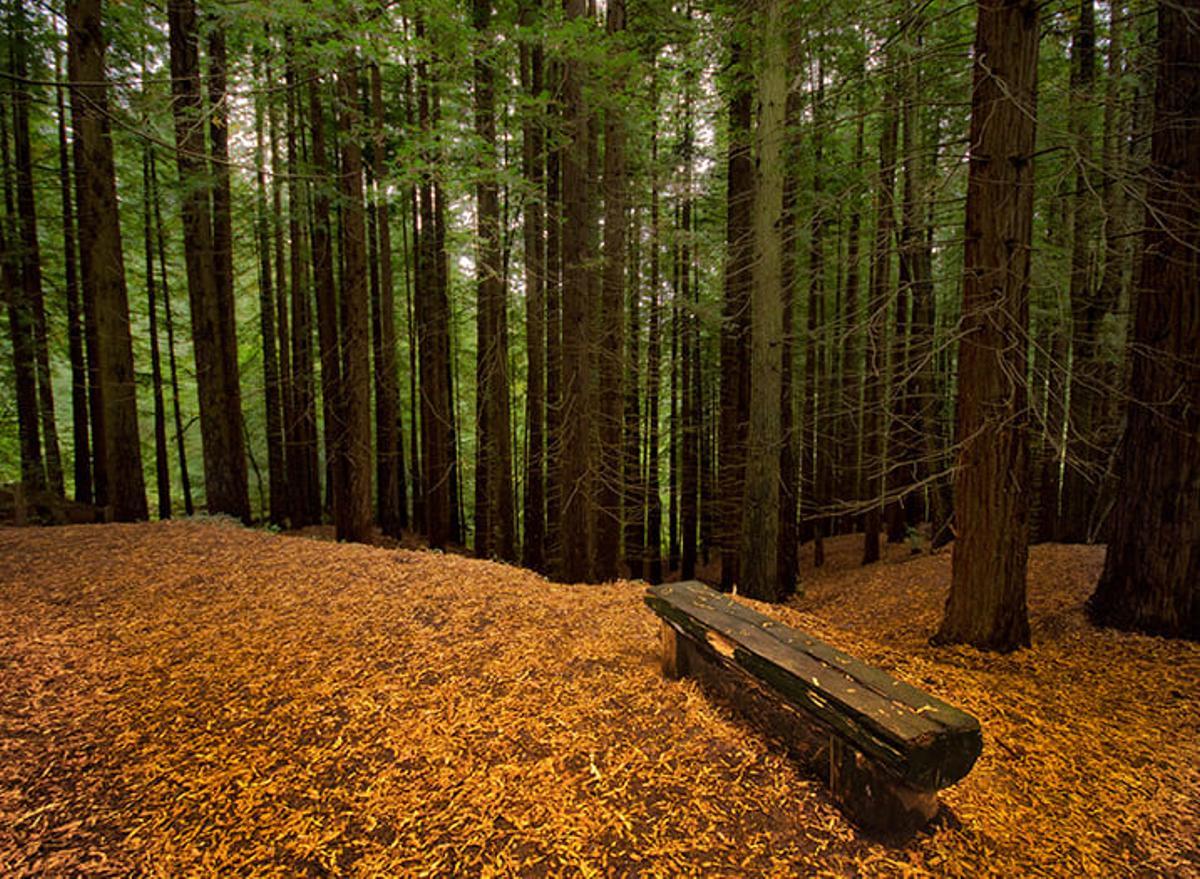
x,y
192,698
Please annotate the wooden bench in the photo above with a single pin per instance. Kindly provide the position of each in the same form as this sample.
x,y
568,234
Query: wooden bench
x,y
885,747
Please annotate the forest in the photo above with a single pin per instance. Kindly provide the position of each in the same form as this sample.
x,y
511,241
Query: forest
x,y
794,299
628,291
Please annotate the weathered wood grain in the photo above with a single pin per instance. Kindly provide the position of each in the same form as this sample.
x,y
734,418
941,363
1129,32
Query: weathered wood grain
x,y
920,741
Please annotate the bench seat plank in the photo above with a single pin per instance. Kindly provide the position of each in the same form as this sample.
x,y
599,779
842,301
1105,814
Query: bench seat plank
x,y
925,742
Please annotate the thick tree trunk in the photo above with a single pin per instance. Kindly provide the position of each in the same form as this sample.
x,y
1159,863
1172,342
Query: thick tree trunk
x,y
1152,568
115,424
791,433
214,346
533,553
389,454
326,293
611,487
300,437
439,481
575,538
758,566
986,607
735,310
495,497
30,252
277,477
21,334
352,517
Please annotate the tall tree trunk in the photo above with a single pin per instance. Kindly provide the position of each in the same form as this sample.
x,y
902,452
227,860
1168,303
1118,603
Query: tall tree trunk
x,y
439,480
790,457
876,365
389,454
495,442
115,423
575,532
689,421
1152,568
758,567
634,498
277,477
162,466
849,428
326,293
673,409
917,256
20,324
79,381
185,482
553,324
302,454
212,319
533,553
222,257
986,607
653,568
735,310
1085,458
31,260
352,517
611,373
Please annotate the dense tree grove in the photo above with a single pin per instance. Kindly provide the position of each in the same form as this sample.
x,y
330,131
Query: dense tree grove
x,y
611,288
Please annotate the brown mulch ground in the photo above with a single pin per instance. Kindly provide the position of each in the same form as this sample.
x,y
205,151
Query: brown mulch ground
x,y
193,698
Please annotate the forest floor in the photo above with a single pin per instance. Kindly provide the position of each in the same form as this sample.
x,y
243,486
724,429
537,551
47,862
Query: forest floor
x,y
194,698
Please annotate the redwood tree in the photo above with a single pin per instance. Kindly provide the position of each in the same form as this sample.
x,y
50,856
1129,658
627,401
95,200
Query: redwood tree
x,y
214,342
1151,579
115,440
758,568
986,607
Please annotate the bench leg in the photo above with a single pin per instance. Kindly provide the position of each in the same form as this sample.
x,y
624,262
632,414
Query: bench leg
x,y
674,653
873,796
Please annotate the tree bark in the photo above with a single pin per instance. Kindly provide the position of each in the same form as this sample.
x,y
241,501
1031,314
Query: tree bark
x,y
1085,457
876,365
498,537
389,454
115,440
214,347
21,334
735,335
986,607
185,482
30,251
277,476
574,564
653,568
1152,567
162,466
533,553
79,375
611,372
352,517
758,566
